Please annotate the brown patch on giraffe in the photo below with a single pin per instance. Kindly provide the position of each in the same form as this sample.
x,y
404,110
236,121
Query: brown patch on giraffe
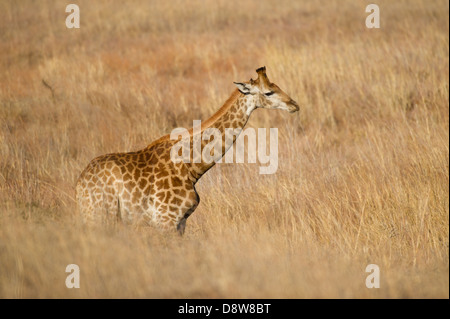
x,y
148,190
163,184
165,157
130,167
136,196
153,160
130,185
141,165
167,197
123,169
159,150
161,174
110,181
145,204
176,201
174,209
142,183
171,212
116,171
108,165
147,171
160,196
183,170
180,192
176,181
137,174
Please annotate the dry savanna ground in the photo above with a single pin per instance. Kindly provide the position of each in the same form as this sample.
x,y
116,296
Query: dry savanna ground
x,y
363,167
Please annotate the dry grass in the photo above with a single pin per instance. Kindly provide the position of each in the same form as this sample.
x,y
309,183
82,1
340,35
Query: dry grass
x,y
363,173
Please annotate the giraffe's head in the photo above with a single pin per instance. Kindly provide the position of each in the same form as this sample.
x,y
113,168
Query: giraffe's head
x,y
267,94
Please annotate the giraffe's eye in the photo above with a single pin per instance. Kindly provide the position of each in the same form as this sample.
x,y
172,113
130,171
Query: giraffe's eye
x,y
269,93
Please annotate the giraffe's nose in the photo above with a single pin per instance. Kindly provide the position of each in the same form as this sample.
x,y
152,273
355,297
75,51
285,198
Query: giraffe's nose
x,y
294,106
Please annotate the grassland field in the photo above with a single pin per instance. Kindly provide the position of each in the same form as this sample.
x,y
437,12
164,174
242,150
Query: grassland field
x,y
363,174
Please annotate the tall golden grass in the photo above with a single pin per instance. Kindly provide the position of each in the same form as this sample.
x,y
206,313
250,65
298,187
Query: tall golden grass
x,y
363,174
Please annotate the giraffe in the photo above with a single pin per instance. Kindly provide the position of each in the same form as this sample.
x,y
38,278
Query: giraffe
x,y
146,187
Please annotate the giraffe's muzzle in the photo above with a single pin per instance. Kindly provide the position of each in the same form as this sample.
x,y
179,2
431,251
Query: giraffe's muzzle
x,y
293,106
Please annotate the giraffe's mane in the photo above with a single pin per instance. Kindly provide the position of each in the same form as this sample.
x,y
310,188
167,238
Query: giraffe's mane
x,y
225,107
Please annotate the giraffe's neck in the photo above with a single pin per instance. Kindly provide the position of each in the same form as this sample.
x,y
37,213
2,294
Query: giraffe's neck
x,y
233,115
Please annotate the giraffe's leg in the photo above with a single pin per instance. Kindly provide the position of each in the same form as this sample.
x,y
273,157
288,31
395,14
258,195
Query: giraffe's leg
x,y
181,226
182,223
174,220
167,216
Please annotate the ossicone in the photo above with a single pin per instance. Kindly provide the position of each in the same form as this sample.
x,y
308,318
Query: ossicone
x,y
261,70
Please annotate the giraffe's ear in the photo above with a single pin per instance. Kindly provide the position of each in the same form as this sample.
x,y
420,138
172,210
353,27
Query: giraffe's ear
x,y
244,88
